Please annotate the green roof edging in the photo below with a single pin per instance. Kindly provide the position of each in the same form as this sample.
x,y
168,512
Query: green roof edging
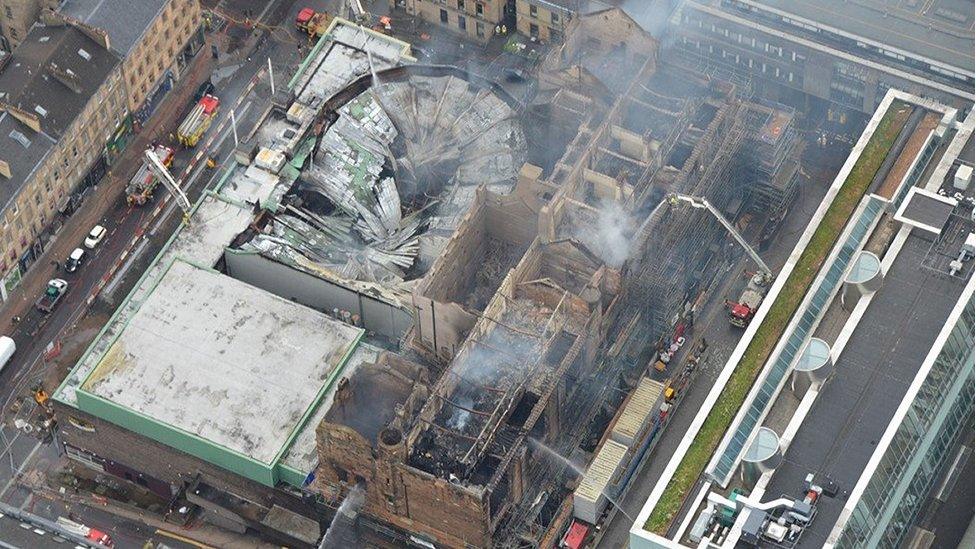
x,y
118,310
787,301
267,474
291,476
310,411
176,438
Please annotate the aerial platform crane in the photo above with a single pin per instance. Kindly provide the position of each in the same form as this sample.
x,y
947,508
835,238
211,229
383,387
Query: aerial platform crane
x,y
156,165
741,311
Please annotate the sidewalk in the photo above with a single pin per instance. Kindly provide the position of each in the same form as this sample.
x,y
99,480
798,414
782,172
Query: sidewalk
x,y
107,195
205,534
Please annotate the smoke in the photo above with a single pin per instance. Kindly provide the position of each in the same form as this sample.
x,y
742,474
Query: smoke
x,y
459,419
500,360
651,15
610,237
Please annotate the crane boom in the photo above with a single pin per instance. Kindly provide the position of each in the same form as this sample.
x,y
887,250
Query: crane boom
x,y
698,202
157,167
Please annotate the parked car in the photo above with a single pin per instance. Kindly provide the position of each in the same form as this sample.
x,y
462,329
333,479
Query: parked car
x,y
75,260
95,236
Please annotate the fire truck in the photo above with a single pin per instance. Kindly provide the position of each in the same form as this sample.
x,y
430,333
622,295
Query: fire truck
x,y
86,532
198,120
312,22
742,311
141,186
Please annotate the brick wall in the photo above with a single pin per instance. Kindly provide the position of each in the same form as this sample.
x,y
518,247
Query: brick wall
x,y
397,494
156,460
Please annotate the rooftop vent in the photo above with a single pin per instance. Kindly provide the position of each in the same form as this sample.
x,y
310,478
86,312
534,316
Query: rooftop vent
x,y
40,110
813,367
763,455
864,278
20,138
84,55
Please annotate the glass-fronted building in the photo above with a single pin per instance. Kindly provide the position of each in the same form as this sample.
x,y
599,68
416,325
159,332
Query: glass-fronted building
x,y
921,438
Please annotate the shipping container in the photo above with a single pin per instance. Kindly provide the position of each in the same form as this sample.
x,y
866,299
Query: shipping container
x,y
589,499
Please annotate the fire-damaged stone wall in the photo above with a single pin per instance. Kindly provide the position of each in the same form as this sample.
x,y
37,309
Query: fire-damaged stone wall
x,y
372,453
446,513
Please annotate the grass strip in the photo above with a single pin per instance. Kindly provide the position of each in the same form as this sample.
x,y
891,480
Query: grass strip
x,y
776,320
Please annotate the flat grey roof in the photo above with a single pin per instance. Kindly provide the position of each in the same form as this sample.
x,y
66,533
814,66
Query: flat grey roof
x,y
303,454
927,210
124,20
871,377
940,30
222,360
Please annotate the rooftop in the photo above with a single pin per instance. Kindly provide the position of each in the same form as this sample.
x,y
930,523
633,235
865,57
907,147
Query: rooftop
x,y
843,224
871,375
203,356
926,210
940,31
20,159
218,217
28,82
124,20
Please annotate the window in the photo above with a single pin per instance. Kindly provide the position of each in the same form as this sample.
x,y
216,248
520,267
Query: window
x,y
10,14
479,28
555,17
443,16
462,23
534,30
479,8
460,4
534,10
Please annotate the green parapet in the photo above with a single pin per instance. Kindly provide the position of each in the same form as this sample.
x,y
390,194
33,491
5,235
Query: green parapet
x,y
176,438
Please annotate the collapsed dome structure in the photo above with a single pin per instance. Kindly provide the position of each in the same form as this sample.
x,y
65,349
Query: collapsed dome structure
x,y
394,172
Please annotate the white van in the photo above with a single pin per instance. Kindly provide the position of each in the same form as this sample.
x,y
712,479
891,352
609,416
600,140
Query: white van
x,y
7,348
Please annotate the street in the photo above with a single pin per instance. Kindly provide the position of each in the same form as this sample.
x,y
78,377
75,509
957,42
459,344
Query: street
x,y
48,345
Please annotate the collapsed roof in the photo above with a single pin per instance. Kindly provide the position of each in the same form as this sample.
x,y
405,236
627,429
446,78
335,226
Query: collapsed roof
x,y
393,176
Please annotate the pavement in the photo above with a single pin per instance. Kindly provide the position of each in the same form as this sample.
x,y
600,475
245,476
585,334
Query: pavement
x,y
131,527
36,331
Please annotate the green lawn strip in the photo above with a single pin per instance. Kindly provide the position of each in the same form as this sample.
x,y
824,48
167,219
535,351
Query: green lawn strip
x,y
776,320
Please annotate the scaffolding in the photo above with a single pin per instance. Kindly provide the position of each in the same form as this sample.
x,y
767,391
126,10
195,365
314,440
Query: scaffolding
x,y
770,162
674,249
